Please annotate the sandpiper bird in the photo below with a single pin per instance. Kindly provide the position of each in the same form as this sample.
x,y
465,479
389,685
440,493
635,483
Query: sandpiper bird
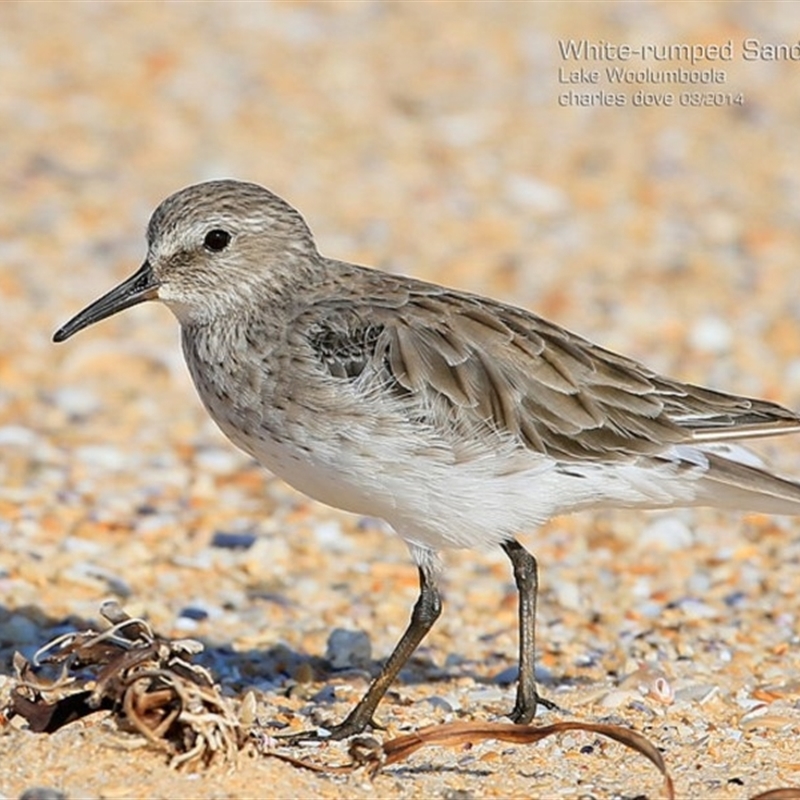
x,y
459,420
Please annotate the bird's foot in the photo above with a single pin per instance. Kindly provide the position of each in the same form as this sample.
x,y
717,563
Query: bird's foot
x,y
525,710
331,733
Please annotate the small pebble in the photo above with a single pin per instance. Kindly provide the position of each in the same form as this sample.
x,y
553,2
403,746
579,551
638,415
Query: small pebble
x,y
694,608
329,536
507,676
486,695
233,541
568,595
42,793
711,335
19,630
696,693
217,460
536,195
348,648
194,613
325,696
17,436
103,457
76,401
439,702
185,624
667,533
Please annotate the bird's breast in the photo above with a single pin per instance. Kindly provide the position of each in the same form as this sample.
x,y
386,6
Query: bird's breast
x,y
303,427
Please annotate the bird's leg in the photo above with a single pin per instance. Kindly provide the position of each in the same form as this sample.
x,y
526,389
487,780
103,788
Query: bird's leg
x,y
526,576
426,611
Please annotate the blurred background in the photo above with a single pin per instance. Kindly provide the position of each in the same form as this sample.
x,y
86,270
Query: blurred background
x,y
425,138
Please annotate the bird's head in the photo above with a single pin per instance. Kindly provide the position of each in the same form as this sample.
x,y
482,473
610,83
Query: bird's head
x,y
212,247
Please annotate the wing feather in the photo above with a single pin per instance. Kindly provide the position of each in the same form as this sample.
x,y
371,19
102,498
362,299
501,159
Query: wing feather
x,y
472,364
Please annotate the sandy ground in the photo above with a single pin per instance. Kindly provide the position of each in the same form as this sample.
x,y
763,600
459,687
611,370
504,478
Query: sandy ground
x,y
436,139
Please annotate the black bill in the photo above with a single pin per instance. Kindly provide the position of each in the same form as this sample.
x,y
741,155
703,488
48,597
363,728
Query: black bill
x,y
141,286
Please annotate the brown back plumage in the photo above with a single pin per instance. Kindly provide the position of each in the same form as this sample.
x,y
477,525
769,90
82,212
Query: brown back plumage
x,y
499,367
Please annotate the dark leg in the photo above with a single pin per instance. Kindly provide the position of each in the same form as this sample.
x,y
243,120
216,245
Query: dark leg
x,y
526,577
426,611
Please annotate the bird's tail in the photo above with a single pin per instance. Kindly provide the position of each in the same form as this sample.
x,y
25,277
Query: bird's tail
x,y
732,483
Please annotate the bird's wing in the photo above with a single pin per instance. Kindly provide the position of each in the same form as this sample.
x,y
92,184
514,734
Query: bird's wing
x,y
477,363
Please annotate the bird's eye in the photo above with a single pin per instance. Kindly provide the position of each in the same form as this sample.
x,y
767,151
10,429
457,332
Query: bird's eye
x,y
216,240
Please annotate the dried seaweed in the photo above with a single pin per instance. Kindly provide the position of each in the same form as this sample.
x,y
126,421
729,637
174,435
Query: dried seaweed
x,y
369,753
147,682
